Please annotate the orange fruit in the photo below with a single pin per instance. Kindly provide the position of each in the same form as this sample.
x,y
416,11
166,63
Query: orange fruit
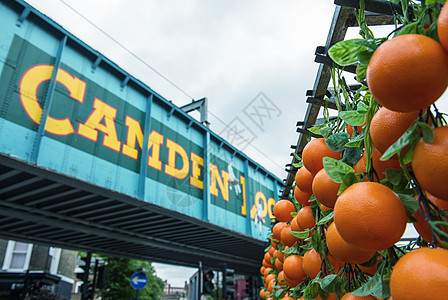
x,y
323,207
267,264
380,166
359,129
266,271
283,210
267,257
271,285
349,296
343,251
370,216
274,243
305,218
269,278
278,265
287,238
277,229
421,274
304,180
281,278
280,256
325,189
388,125
422,226
291,283
331,296
442,27
262,269
312,263
262,294
430,163
408,72
302,197
271,251
292,268
294,225
314,152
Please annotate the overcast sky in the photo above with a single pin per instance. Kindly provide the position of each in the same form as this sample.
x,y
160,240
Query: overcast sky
x,y
231,51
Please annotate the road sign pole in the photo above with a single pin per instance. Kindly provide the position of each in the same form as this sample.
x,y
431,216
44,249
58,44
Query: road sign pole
x,y
138,292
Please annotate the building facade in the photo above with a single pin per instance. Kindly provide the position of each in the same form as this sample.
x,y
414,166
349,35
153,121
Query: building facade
x,y
28,269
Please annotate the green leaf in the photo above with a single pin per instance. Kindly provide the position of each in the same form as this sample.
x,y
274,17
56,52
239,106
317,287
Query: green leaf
x,y
361,72
317,242
362,108
325,132
315,129
347,181
331,283
410,203
311,291
353,117
371,262
346,52
407,157
301,234
370,44
351,155
364,57
428,134
369,287
336,169
402,142
337,141
290,250
408,29
393,176
357,141
307,247
326,219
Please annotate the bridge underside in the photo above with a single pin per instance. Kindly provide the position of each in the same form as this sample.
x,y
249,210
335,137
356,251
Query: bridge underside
x,y
44,207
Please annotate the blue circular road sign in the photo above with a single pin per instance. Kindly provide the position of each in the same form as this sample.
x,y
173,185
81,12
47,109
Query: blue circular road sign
x,y
139,280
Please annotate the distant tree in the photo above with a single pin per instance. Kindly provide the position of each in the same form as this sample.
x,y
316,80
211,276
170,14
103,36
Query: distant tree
x,y
118,286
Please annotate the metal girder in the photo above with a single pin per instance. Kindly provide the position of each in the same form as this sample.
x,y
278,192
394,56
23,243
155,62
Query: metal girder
x,y
47,208
133,238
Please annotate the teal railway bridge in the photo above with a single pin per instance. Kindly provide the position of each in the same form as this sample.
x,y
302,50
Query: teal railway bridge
x,y
93,159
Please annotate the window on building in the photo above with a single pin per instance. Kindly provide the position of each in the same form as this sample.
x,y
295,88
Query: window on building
x,y
17,257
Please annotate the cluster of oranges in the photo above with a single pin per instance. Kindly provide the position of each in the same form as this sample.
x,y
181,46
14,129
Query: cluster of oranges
x,y
336,238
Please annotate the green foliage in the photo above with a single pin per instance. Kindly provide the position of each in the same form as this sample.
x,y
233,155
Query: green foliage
x,y
336,169
119,275
356,107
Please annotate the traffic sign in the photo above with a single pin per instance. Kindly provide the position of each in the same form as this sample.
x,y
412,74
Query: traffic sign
x,y
139,280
